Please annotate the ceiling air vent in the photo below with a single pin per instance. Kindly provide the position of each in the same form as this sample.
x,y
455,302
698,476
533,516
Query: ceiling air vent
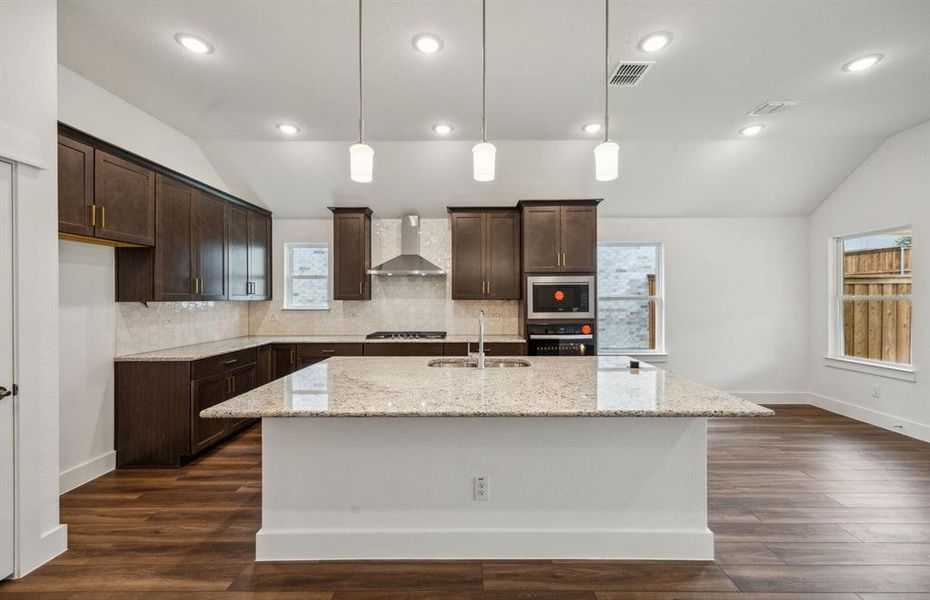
x,y
629,73
770,107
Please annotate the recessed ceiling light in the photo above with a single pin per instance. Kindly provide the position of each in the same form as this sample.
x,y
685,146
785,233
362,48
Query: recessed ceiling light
x,y
194,44
288,128
592,128
442,128
655,41
752,130
863,62
427,43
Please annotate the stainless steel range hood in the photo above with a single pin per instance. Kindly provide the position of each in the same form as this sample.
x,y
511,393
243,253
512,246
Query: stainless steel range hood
x,y
409,263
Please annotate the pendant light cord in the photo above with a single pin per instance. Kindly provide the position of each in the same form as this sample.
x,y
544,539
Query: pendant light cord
x,y
361,123
484,75
606,70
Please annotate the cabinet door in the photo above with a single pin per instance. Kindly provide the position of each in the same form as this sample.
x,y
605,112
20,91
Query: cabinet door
x,y
264,371
125,196
208,230
174,273
206,392
541,243
260,256
237,253
75,187
241,380
352,256
284,360
404,349
468,255
502,256
579,239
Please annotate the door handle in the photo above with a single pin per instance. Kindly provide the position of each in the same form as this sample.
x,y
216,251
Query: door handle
x,y
93,215
103,217
5,392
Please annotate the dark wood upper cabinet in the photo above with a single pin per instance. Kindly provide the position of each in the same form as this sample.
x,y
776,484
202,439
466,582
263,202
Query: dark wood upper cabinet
x,y
559,236
75,187
174,255
259,256
124,194
208,240
485,254
237,253
351,253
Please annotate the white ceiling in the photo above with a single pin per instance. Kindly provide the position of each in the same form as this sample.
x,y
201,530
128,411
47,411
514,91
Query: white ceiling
x,y
295,61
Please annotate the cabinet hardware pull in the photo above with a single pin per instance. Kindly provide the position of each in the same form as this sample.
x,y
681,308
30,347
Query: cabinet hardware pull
x,y
558,259
327,351
489,287
93,215
563,259
360,288
232,385
103,217
230,361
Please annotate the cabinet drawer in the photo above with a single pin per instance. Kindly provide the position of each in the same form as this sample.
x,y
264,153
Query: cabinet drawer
x,y
223,362
327,350
404,349
502,349
455,349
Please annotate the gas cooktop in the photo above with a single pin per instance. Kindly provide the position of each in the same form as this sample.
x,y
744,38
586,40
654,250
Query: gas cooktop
x,y
407,335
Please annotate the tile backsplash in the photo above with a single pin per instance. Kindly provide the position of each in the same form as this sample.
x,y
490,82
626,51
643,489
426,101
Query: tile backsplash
x,y
141,328
397,303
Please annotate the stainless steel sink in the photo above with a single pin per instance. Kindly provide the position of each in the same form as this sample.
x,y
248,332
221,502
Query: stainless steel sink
x,y
489,363
505,363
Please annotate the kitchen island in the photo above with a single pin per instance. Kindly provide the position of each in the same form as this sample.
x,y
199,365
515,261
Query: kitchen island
x,y
391,458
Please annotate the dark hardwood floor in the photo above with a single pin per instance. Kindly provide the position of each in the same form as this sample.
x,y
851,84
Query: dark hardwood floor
x,y
805,505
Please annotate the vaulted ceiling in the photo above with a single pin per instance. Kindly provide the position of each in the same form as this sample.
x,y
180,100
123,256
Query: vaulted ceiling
x,y
681,153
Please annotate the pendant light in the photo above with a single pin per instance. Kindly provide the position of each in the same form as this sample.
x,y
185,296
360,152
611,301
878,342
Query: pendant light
x,y
607,153
361,155
483,154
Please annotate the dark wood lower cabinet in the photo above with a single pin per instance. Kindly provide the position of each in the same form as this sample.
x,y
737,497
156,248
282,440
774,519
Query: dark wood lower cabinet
x,y
158,404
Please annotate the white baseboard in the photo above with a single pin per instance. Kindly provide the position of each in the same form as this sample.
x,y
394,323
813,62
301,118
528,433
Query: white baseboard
x,y
51,544
462,544
873,417
88,471
774,397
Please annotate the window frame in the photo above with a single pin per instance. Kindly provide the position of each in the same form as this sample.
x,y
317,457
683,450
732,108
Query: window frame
x,y
835,357
289,277
659,353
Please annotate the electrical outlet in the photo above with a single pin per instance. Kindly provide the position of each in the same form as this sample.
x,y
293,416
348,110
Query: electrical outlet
x,y
876,390
481,488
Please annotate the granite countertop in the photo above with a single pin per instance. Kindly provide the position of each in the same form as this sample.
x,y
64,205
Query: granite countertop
x,y
208,349
594,386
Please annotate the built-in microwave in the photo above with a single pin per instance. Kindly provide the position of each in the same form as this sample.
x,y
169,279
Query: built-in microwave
x,y
560,297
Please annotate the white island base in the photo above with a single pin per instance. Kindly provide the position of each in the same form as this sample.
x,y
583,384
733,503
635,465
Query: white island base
x,y
402,488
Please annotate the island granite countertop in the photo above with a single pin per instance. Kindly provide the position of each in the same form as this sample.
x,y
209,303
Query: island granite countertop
x,y
208,349
552,386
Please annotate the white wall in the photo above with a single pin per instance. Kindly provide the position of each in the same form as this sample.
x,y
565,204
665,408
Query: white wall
x,y
892,187
28,107
736,294
88,339
94,110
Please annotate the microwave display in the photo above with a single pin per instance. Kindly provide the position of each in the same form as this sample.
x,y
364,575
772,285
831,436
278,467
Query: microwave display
x,y
561,298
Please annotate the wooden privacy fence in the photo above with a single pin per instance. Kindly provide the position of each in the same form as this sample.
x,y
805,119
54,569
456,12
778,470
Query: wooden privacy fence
x,y
876,319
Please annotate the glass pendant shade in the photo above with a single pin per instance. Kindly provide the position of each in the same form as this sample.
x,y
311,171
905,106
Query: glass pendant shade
x,y
483,155
606,161
361,162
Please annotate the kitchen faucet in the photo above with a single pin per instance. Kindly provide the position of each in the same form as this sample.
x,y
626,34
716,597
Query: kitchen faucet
x,y
480,355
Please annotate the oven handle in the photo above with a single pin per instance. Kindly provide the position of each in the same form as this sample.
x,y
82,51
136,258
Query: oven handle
x,y
562,337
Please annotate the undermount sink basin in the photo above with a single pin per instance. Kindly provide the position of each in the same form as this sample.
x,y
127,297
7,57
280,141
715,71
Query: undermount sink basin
x,y
489,363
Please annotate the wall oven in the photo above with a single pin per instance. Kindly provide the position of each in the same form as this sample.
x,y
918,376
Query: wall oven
x,y
560,297
561,339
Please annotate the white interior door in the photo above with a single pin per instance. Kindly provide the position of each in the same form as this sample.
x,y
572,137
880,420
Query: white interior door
x,y
7,521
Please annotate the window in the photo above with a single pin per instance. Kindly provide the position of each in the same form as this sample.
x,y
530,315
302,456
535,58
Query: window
x,y
306,280
872,297
629,298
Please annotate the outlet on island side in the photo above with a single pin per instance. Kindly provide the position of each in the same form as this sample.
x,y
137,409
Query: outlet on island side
x,y
876,390
481,488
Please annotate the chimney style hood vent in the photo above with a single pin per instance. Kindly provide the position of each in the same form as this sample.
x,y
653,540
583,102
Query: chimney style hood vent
x,y
409,263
